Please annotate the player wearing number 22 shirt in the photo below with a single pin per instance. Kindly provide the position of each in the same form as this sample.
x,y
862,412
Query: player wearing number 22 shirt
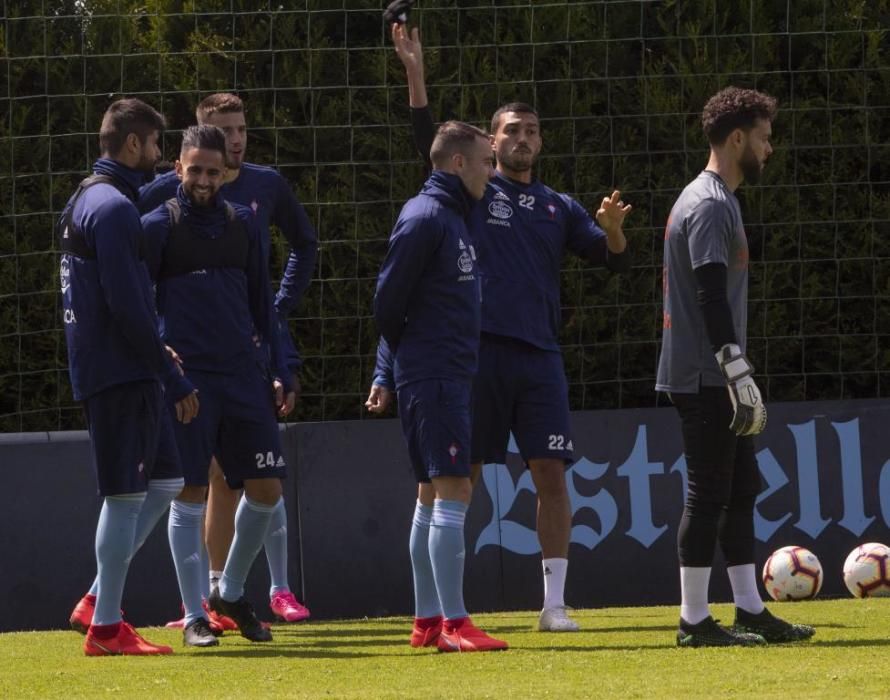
x,y
522,230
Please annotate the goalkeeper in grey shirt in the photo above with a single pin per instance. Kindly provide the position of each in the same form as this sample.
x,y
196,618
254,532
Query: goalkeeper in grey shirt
x,y
704,370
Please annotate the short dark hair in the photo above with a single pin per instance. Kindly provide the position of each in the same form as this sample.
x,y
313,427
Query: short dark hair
x,y
453,137
204,136
518,107
735,108
124,117
218,103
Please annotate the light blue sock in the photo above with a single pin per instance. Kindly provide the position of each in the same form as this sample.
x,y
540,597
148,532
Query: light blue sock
x,y
447,552
157,500
251,525
115,534
426,598
276,549
205,572
184,532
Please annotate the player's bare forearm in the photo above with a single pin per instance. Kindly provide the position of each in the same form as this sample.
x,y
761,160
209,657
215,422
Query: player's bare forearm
x,y
417,96
410,53
615,240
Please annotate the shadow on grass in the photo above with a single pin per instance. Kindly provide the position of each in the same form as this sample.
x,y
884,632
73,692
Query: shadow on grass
x,y
883,642
402,631
594,647
634,628
334,643
276,651
365,622
334,650
672,628
597,614
507,628
393,637
852,643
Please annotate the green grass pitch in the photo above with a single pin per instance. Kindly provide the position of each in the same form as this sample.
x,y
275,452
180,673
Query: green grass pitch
x,y
620,652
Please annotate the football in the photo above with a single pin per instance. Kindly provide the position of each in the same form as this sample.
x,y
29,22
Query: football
x,y
866,572
792,573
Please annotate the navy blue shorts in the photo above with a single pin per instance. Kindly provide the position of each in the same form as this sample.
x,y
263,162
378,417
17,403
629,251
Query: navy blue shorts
x,y
131,438
523,389
435,415
236,423
167,463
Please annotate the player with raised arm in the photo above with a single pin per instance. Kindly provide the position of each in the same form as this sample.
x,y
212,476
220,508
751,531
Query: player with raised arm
x,y
272,200
522,230
702,355
205,255
427,307
117,363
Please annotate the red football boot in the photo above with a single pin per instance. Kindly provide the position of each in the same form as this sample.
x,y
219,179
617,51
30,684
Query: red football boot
x,y
426,631
463,635
82,615
127,642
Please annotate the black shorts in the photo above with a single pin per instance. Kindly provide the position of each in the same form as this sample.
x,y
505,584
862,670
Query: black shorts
x,y
236,423
131,437
520,389
435,416
720,466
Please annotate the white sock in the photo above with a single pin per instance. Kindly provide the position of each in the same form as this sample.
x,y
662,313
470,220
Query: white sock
x,y
554,582
694,593
215,576
744,588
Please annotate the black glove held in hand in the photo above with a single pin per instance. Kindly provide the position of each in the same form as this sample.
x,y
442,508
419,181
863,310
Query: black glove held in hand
x,y
397,12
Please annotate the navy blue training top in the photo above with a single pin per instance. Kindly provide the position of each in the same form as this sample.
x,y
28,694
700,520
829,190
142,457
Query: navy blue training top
x,y
427,304
111,327
522,232
209,314
265,191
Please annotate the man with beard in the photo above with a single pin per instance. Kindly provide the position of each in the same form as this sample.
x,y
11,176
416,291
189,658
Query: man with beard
x,y
522,230
116,361
206,258
272,200
703,353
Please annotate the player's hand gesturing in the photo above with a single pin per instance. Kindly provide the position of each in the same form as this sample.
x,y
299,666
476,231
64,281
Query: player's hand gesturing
x,y
612,211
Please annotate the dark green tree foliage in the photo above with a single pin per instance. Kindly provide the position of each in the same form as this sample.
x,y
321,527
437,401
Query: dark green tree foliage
x,y
620,86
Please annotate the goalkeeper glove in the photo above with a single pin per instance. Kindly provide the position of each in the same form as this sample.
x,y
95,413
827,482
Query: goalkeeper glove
x,y
397,12
749,413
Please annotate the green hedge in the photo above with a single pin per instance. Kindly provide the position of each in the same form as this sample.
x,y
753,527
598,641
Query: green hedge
x,y
619,85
